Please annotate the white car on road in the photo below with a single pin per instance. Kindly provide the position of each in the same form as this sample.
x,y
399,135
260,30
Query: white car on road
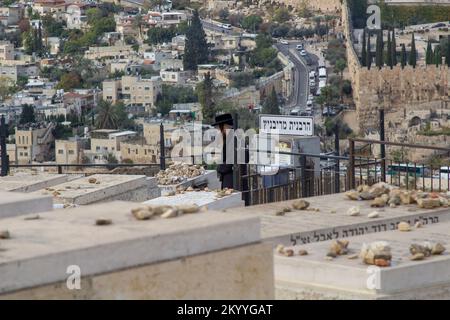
x,y
282,41
303,53
227,26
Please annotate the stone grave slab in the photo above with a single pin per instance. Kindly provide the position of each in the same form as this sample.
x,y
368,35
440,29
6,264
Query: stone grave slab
x,y
209,178
202,199
29,182
103,187
40,251
333,221
15,203
315,277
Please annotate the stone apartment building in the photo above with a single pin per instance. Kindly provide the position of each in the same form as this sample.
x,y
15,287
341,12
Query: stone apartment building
x,y
6,51
34,143
133,90
69,151
105,142
109,53
56,7
10,15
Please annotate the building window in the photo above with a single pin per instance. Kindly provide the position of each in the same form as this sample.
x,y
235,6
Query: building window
x,y
71,152
60,151
97,148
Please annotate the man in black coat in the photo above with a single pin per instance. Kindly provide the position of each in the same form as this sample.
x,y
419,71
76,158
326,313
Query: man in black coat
x,y
225,171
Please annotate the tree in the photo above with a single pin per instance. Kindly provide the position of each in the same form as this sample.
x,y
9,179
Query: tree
x,y
69,81
413,53
137,23
379,50
325,97
364,50
429,54
340,66
281,15
252,23
6,87
403,56
437,56
389,50
270,105
447,53
196,48
368,54
205,97
107,117
394,49
223,14
27,115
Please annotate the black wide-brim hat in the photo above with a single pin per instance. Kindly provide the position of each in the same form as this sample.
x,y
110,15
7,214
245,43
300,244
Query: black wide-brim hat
x,y
223,119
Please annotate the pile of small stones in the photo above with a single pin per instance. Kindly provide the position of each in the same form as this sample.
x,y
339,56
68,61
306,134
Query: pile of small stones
x,y
377,253
383,194
179,172
147,212
300,205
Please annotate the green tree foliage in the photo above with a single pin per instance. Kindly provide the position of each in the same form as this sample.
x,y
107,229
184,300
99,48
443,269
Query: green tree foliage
x,y
7,87
413,53
69,81
389,51
52,27
403,56
437,56
171,95
161,35
242,79
379,51
27,115
108,116
252,23
368,54
206,98
264,56
394,50
447,52
429,54
281,15
271,105
364,50
196,49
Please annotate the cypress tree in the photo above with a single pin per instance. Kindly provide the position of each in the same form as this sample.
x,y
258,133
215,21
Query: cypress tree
x,y
205,95
403,56
368,54
270,105
394,49
379,52
363,51
429,54
447,54
413,53
437,56
389,50
196,48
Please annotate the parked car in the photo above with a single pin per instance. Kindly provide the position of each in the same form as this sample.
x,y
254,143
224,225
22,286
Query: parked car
x,y
303,53
282,41
300,47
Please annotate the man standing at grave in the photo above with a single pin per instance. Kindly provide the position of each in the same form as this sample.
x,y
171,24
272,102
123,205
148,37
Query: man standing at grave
x,y
223,123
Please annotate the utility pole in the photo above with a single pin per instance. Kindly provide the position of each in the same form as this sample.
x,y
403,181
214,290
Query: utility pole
x,y
382,147
162,147
337,176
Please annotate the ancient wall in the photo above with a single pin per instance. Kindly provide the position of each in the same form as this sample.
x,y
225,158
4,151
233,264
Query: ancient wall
x,y
316,5
396,90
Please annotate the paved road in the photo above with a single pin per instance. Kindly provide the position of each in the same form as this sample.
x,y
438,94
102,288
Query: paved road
x,y
214,27
301,74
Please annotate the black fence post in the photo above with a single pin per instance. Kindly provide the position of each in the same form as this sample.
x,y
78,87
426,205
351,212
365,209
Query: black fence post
x,y
236,167
337,176
162,146
382,147
351,164
3,155
303,176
